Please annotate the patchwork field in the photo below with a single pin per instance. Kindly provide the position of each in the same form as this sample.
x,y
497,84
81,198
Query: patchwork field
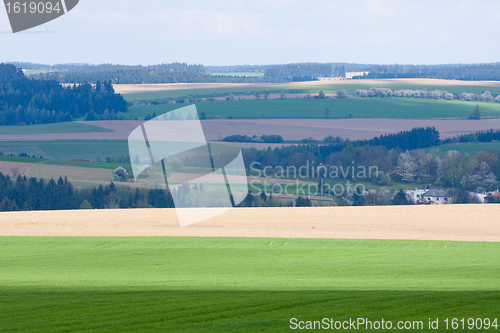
x,y
339,108
68,127
114,143
67,149
354,129
470,148
152,91
212,284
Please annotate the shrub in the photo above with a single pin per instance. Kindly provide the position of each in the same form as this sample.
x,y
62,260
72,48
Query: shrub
x,y
120,174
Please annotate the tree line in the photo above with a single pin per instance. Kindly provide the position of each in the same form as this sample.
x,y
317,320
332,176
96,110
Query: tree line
x,y
469,72
483,136
23,194
297,155
145,76
29,101
37,194
86,68
298,71
263,138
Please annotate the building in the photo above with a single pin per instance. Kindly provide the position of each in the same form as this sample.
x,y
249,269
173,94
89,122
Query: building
x,y
416,195
438,197
480,197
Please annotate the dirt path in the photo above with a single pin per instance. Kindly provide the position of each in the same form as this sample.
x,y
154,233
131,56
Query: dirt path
x,y
451,222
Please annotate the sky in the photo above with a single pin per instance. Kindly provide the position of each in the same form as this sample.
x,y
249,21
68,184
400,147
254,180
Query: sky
x,y
258,32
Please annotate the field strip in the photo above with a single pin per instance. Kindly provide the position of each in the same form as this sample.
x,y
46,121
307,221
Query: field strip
x,y
14,168
289,129
143,88
450,223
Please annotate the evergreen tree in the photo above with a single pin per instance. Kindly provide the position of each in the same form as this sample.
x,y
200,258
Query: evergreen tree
x,y
400,199
303,202
5,205
85,205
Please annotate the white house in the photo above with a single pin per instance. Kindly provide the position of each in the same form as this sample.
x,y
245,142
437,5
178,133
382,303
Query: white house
x,y
415,195
479,196
438,197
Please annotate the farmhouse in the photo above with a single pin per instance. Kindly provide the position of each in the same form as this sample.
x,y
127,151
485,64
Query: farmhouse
x,y
416,195
438,197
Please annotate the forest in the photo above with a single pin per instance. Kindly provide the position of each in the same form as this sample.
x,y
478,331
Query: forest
x,y
88,68
144,76
192,73
26,101
469,72
38,194
298,71
297,155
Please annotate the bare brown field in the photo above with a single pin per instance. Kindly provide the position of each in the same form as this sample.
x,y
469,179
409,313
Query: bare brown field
x,y
14,168
89,176
354,129
92,175
290,129
446,222
143,88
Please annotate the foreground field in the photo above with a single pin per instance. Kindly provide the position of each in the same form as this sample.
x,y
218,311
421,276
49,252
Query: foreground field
x,y
443,222
239,285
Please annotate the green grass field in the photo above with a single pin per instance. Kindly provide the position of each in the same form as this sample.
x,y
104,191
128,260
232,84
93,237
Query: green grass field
x,y
68,127
339,108
326,88
93,165
238,284
66,150
470,148
38,71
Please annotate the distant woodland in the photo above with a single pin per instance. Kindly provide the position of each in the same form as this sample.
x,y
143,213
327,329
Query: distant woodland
x,y
144,76
31,101
478,72
186,73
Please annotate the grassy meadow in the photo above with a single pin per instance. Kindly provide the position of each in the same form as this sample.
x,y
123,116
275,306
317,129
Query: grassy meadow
x,y
58,284
67,127
94,165
339,108
67,149
470,148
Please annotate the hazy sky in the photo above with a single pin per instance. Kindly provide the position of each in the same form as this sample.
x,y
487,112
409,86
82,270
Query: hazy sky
x,y
232,32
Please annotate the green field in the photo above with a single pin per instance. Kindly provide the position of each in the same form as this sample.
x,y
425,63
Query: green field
x,y
339,108
238,284
66,150
471,148
93,165
38,71
326,88
67,127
